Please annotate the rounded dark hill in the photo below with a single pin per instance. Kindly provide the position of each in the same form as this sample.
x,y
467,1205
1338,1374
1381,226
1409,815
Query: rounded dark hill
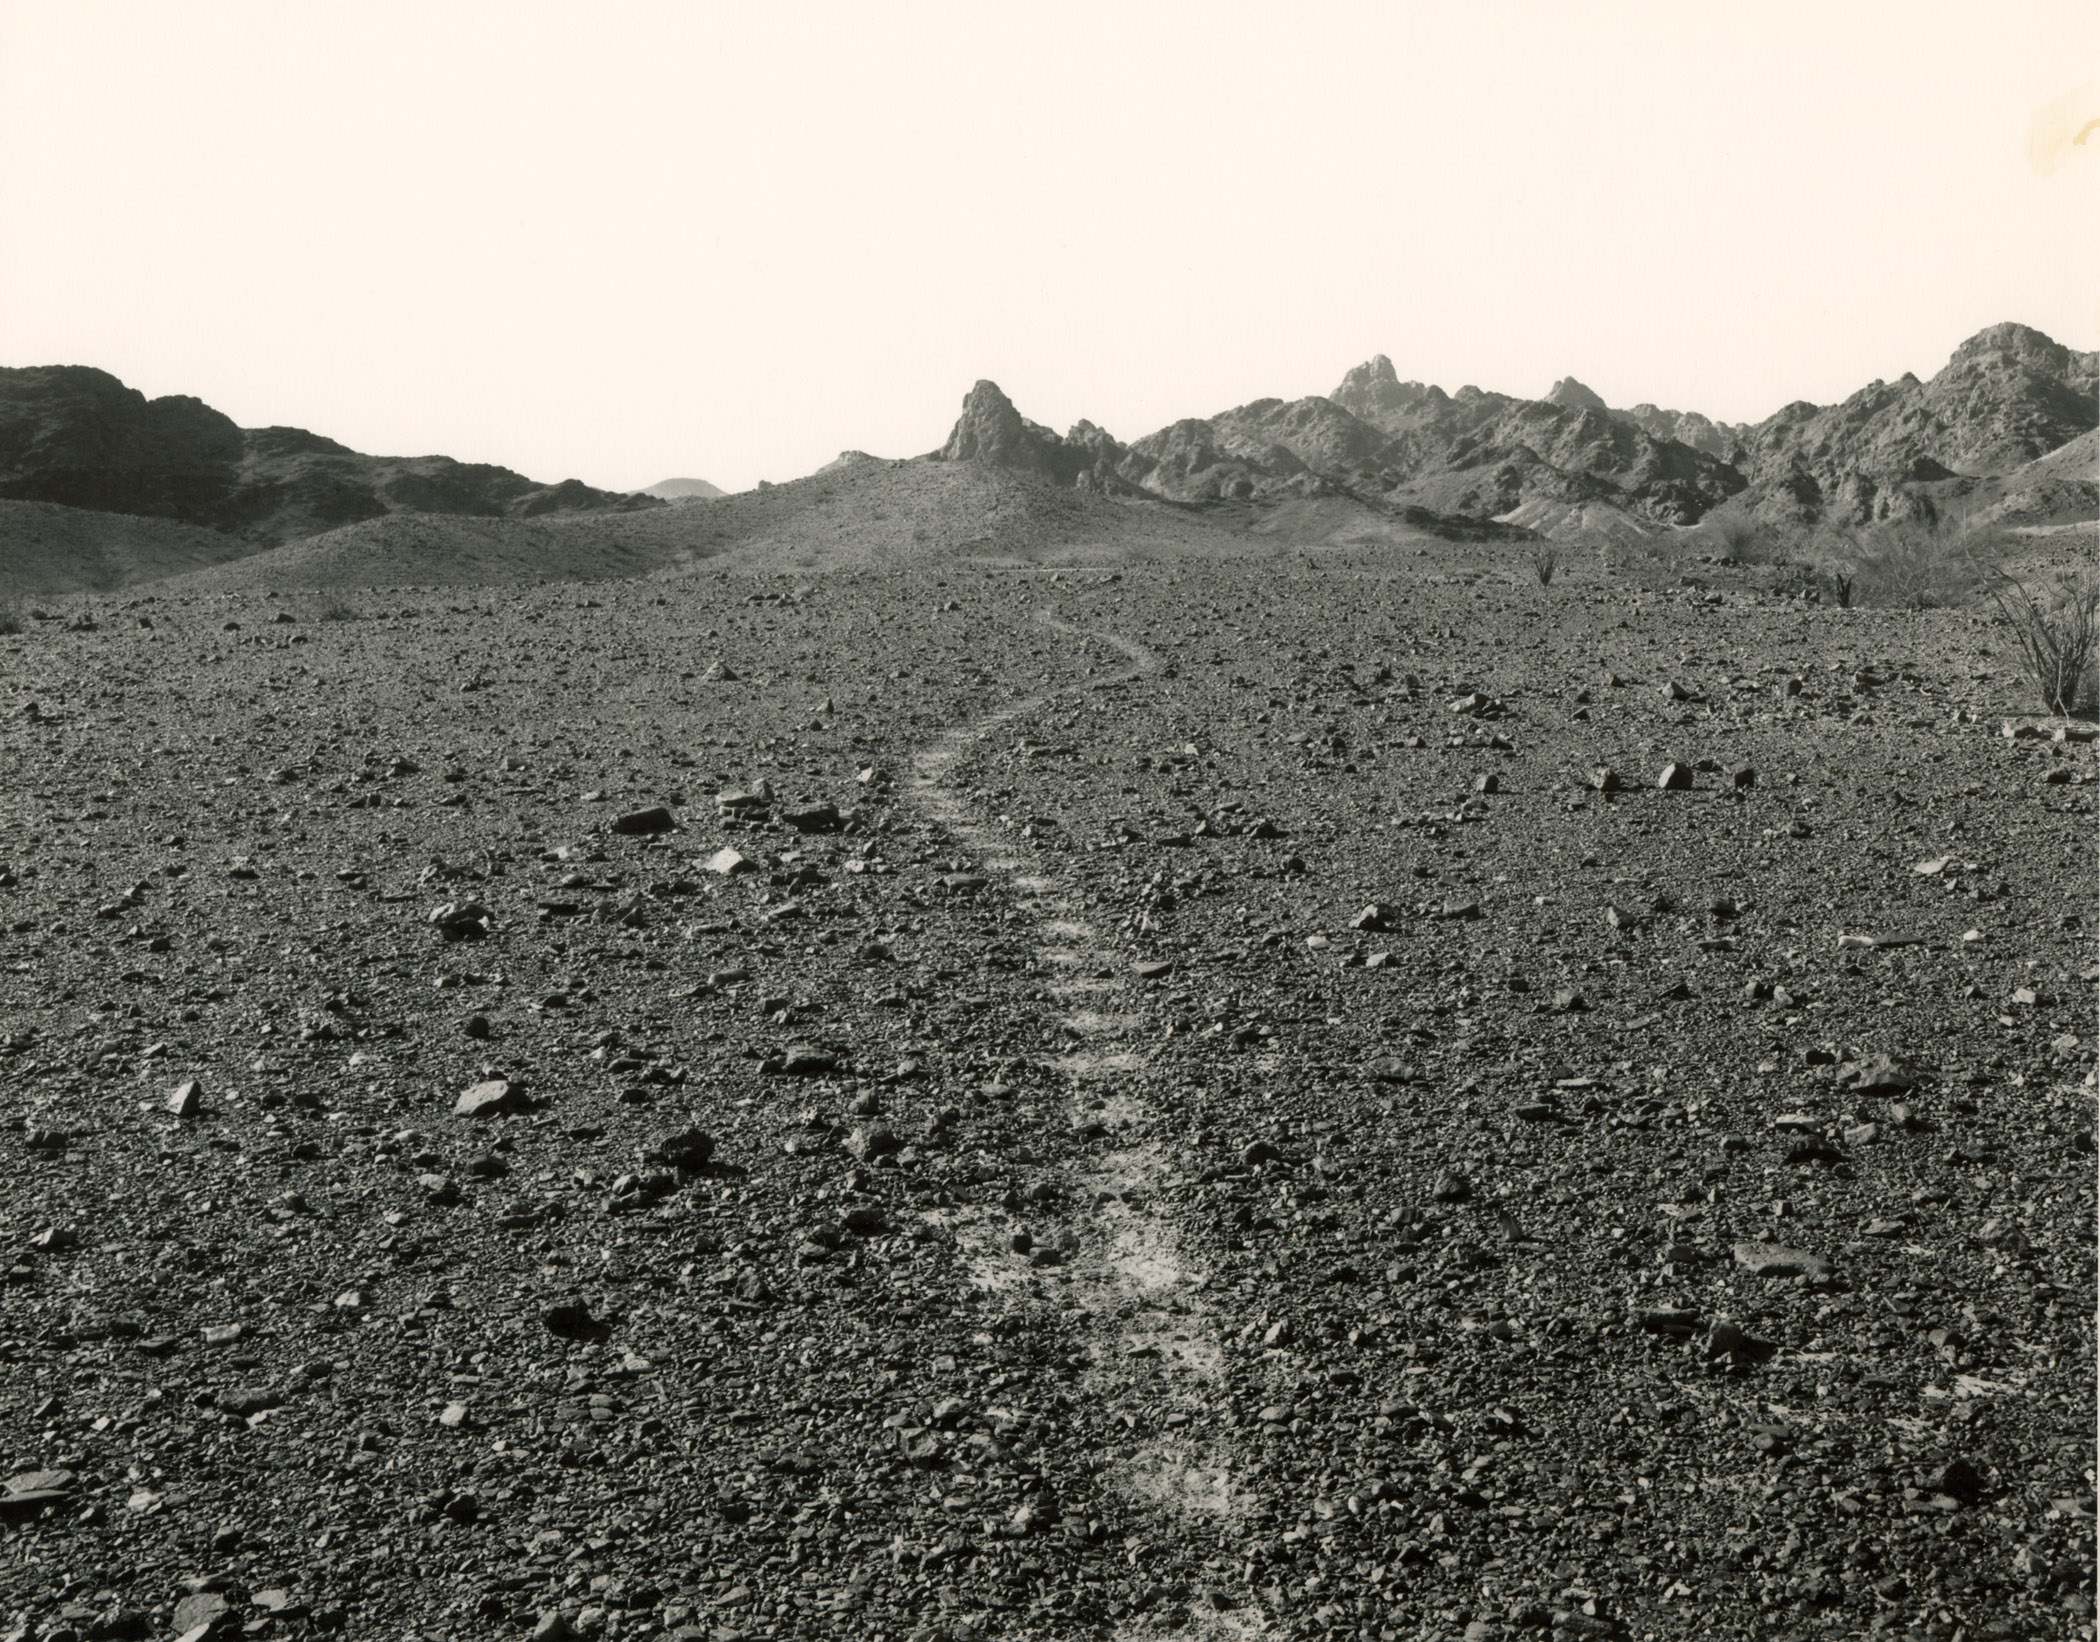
x,y
78,437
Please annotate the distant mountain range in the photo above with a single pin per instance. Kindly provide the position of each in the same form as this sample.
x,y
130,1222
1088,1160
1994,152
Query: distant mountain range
x,y
101,487
2009,397
77,436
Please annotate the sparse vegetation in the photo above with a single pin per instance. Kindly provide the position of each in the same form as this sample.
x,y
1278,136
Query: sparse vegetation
x,y
332,608
1736,541
1545,559
2057,624
1914,563
12,620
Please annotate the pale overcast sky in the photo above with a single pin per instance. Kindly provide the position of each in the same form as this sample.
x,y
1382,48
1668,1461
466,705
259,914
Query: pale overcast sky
x,y
622,241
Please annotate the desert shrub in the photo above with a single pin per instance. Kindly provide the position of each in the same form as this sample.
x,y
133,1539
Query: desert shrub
x,y
332,608
12,620
1545,559
1735,541
2057,624
1915,563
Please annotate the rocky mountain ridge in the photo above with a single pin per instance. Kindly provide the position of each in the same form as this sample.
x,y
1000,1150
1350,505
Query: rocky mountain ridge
x,y
2008,397
77,436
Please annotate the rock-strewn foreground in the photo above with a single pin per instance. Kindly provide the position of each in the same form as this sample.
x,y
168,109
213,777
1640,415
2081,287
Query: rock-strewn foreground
x,y
949,1100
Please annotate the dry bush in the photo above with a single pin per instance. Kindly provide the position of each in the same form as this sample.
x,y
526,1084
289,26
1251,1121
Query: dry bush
x,y
2057,623
335,609
1913,564
1736,541
12,620
1545,559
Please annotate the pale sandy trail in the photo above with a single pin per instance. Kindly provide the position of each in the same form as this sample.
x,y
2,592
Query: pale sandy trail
x,y
1158,1343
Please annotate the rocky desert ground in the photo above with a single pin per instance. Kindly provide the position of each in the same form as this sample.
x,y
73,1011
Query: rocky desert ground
x,y
942,1052
1305,1096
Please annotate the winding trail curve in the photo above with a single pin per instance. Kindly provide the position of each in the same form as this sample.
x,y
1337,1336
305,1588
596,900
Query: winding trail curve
x,y
1157,1349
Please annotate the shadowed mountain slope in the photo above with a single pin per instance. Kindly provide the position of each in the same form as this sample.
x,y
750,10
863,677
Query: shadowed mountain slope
x,y
77,436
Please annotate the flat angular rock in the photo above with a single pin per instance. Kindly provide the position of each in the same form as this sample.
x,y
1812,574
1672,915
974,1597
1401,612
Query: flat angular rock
x,y
245,1400
640,823
1881,1073
729,863
493,1098
186,1099
41,1482
813,818
1778,1260
872,1142
741,801
1374,917
1675,778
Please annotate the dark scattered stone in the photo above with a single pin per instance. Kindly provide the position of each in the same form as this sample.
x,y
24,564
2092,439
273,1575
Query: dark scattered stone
x,y
572,1320
1726,1339
641,823
1777,1260
1452,1187
687,1148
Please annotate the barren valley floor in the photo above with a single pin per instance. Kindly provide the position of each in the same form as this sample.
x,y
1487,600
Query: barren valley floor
x,y
1213,1098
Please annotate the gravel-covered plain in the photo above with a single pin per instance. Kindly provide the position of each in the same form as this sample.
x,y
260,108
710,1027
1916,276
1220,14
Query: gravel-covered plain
x,y
1339,1097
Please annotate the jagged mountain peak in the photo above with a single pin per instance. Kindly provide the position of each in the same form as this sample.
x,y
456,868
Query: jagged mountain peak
x,y
993,433
1573,394
1374,391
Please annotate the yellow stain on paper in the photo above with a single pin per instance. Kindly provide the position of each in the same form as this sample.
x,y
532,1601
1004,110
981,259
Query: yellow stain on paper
x,y
2063,129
